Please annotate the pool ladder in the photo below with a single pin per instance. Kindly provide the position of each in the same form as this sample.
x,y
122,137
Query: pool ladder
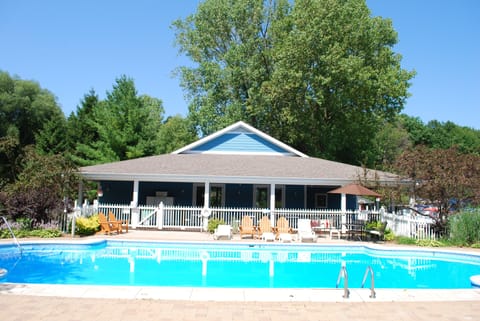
x,y
344,274
13,235
372,281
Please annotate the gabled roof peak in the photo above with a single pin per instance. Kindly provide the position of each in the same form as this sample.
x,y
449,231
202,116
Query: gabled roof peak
x,y
275,147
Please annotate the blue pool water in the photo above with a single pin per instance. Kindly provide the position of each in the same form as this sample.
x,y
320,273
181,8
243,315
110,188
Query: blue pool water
x,y
233,266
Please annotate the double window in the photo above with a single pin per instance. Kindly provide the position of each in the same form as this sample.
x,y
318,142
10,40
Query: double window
x,y
216,195
262,196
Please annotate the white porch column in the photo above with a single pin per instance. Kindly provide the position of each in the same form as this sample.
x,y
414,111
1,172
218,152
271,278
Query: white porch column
x,y
135,219
206,206
343,207
135,194
206,196
272,204
343,204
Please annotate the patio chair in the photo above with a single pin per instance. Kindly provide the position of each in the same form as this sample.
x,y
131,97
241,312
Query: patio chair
x,y
264,230
106,226
122,223
224,231
305,232
283,230
246,227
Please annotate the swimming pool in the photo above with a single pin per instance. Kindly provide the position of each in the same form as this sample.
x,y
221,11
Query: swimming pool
x,y
229,265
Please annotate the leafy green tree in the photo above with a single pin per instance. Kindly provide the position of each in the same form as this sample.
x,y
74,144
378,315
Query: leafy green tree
x,y
52,139
446,135
418,132
175,133
389,143
124,125
81,125
25,110
9,154
440,135
320,75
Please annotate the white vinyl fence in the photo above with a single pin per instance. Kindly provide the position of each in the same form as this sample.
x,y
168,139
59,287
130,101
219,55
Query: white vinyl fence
x,y
196,218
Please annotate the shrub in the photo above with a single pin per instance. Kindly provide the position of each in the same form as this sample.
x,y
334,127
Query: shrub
x,y
388,235
214,223
406,240
87,225
432,243
46,233
465,228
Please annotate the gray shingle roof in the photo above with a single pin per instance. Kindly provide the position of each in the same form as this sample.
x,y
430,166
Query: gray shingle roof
x,y
233,169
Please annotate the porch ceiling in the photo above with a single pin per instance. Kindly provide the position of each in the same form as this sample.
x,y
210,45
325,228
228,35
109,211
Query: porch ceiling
x,y
234,169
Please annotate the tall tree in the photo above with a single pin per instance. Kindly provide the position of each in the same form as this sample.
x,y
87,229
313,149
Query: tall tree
x,y
440,135
320,75
125,126
25,109
81,125
175,133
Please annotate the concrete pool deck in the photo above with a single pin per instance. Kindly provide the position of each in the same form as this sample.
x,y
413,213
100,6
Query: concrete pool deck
x,y
61,302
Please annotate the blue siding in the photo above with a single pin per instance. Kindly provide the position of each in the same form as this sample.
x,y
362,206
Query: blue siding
x,y
294,196
243,142
238,195
181,192
351,202
116,192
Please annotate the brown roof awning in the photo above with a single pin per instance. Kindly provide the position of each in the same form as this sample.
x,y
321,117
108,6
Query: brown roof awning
x,y
355,189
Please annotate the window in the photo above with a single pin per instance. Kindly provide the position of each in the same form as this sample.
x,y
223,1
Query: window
x,y
320,200
216,195
262,196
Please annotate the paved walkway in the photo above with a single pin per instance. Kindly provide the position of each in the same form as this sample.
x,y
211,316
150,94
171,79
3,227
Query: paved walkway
x,y
25,308
127,303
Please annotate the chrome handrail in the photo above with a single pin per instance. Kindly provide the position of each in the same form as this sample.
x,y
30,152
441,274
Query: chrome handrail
x,y
13,234
372,281
343,273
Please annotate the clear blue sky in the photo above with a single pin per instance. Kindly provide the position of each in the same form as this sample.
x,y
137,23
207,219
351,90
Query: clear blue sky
x,y
70,47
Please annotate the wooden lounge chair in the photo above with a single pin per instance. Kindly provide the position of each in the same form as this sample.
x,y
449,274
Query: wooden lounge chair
x,y
265,230
283,230
305,231
106,226
223,231
246,227
122,223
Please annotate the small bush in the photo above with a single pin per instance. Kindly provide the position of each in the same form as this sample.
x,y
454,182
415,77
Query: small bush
x,y
214,223
87,225
46,233
465,228
431,243
388,235
405,240
25,223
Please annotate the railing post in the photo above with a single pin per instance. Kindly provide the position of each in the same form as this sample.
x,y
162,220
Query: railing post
x,y
135,216
272,218
160,215
344,222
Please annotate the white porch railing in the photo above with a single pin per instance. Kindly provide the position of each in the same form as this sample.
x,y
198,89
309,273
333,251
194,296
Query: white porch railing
x,y
196,218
